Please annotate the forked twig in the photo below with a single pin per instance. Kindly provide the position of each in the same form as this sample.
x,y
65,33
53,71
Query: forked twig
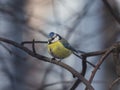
x,y
84,57
99,63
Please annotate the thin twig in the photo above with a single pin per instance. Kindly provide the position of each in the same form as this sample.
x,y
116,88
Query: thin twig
x,y
30,42
116,58
84,56
82,59
95,53
99,63
113,83
84,67
113,13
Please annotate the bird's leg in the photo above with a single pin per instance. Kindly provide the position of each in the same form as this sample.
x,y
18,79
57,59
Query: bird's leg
x,y
59,60
55,59
52,59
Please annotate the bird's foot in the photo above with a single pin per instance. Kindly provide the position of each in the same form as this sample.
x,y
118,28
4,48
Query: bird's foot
x,y
60,60
52,59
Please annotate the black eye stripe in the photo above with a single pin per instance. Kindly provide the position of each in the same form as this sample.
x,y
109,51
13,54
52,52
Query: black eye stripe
x,y
52,38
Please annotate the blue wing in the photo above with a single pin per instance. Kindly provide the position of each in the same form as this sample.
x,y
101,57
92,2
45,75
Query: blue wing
x,y
68,46
75,52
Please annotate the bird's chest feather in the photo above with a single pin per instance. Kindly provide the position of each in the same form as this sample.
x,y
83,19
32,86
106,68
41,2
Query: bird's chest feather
x,y
58,50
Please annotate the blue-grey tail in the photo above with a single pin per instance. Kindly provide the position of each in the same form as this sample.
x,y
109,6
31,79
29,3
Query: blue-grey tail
x,y
76,54
79,51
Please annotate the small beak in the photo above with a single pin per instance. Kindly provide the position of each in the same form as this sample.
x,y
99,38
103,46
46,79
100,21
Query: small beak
x,y
49,40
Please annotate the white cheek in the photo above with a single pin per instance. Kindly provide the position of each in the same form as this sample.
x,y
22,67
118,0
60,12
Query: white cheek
x,y
55,39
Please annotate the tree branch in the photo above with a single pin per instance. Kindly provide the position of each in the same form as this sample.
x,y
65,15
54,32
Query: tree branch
x,y
114,82
46,59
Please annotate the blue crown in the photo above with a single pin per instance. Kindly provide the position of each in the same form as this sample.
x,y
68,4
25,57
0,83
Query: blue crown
x,y
51,34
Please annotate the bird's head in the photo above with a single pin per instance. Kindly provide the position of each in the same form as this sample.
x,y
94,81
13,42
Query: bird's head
x,y
53,37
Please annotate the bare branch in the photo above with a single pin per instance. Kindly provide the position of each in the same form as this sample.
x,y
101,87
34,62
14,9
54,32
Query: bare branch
x,y
113,13
99,63
84,68
113,83
95,53
46,59
30,42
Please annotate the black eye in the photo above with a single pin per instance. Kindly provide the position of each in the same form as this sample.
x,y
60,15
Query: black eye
x,y
52,38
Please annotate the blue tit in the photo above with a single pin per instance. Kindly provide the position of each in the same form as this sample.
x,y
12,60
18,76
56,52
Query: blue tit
x,y
58,47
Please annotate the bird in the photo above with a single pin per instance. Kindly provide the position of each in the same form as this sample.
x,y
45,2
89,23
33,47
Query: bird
x,y
59,47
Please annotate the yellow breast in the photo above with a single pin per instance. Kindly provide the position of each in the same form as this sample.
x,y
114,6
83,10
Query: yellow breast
x,y
57,50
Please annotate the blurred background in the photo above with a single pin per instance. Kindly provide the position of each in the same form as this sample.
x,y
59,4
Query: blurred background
x,y
88,26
